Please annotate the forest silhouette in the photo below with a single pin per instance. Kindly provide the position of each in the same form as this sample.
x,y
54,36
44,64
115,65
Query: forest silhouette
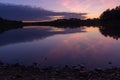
x,y
110,17
9,24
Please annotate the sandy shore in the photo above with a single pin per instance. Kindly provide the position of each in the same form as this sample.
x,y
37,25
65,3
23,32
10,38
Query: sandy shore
x,y
21,72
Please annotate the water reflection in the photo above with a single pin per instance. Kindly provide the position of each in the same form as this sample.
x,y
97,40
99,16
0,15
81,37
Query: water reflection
x,y
32,33
50,46
111,31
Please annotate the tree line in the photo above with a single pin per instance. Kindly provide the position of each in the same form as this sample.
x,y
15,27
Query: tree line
x,y
111,15
9,24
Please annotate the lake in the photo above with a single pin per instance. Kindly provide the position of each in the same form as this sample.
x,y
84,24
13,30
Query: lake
x,y
52,46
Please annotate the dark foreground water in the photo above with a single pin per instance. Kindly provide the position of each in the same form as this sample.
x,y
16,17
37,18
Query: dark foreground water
x,y
50,46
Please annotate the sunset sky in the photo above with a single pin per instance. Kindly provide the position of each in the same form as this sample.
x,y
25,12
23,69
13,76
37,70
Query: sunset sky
x,y
93,7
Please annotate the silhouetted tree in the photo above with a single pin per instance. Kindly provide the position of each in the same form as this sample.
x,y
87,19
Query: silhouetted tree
x,y
9,24
111,15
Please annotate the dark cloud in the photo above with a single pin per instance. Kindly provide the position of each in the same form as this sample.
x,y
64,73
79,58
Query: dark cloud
x,y
19,12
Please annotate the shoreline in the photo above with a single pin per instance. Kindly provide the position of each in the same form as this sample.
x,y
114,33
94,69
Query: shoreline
x,y
21,72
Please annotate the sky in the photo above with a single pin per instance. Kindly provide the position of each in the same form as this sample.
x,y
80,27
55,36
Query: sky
x,y
93,7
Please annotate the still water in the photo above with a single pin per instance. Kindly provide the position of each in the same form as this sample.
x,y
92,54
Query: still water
x,y
50,46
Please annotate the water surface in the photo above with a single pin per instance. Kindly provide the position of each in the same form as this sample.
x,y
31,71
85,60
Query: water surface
x,y
50,46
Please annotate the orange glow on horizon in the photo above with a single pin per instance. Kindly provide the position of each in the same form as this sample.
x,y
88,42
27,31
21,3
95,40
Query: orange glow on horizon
x,y
90,29
92,16
56,17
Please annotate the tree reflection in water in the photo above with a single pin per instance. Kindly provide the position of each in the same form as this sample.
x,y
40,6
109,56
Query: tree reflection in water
x,y
111,31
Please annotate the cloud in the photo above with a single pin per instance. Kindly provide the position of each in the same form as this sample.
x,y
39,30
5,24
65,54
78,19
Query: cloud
x,y
19,12
93,7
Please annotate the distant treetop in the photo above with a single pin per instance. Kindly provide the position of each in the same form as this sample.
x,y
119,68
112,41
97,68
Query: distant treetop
x,y
111,14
